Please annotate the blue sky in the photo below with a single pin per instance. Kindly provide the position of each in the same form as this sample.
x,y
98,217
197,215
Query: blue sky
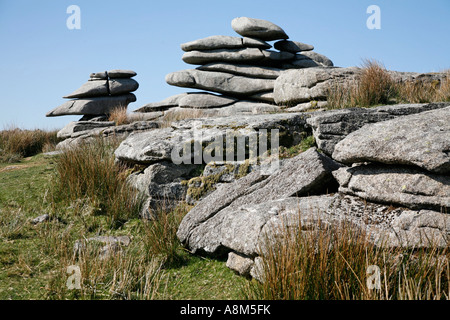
x,y
42,60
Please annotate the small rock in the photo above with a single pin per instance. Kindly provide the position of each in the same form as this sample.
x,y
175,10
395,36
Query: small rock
x,y
40,219
239,263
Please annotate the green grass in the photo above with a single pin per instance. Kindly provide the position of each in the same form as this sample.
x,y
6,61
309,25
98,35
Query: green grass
x,y
33,259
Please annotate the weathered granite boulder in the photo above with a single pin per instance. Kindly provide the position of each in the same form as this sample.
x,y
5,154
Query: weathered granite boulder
x,y
116,73
330,127
103,92
220,82
246,231
205,100
224,42
151,180
397,185
104,88
424,228
223,55
161,185
110,132
257,28
212,223
312,83
240,263
302,85
77,126
317,57
292,46
243,70
92,106
421,140
121,73
241,107
163,144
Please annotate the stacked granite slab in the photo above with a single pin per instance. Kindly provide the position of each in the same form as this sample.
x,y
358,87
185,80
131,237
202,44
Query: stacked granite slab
x,y
103,92
236,69
94,100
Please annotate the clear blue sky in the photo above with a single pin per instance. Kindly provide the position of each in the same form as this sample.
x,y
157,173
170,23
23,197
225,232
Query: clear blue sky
x,y
42,60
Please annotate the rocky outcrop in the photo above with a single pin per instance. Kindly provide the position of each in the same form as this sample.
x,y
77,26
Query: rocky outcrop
x,y
188,144
383,170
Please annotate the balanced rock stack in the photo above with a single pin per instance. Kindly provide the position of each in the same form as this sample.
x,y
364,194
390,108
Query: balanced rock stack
x,y
100,95
237,68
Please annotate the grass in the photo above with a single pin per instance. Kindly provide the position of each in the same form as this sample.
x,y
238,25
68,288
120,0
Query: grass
x,y
119,115
336,264
16,144
34,258
89,172
304,145
375,86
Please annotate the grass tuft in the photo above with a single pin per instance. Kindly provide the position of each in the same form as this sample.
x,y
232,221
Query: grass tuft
x,y
90,172
336,264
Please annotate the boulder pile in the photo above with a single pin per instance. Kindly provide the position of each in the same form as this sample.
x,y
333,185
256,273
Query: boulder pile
x,y
103,92
94,101
237,69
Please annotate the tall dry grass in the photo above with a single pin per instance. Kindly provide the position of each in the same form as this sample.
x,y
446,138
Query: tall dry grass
x,y
119,115
421,92
16,144
334,264
90,172
375,86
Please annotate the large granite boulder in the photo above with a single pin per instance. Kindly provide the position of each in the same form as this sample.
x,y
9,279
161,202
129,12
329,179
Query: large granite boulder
x,y
421,140
243,70
205,100
213,222
257,28
224,42
292,46
332,126
396,185
302,85
92,106
220,82
100,88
